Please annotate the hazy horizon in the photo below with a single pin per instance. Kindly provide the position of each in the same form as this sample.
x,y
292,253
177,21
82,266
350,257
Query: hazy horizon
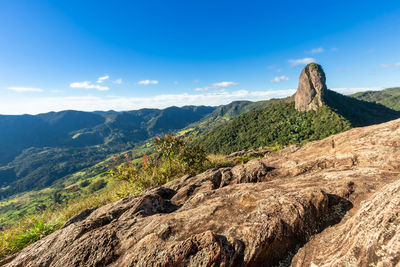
x,y
220,99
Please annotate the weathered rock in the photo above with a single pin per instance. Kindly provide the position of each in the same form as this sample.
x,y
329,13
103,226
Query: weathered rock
x,y
312,88
248,153
336,199
369,238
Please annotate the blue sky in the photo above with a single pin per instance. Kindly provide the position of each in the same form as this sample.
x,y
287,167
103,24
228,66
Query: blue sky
x,y
123,55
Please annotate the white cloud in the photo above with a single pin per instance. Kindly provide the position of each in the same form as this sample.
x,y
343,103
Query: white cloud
x,y
118,81
102,79
88,85
202,89
301,61
225,84
90,103
216,86
316,50
386,66
25,89
147,82
278,79
347,91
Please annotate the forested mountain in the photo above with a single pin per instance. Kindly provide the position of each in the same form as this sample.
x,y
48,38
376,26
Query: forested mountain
x,y
223,114
389,97
313,113
36,150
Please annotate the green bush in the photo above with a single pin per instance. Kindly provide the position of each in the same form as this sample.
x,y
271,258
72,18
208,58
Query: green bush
x,y
84,183
96,186
174,156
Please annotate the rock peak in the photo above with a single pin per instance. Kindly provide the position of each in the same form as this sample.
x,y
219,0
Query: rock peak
x,y
312,87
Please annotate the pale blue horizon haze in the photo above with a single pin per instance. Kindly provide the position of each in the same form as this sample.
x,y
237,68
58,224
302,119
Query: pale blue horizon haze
x,y
126,55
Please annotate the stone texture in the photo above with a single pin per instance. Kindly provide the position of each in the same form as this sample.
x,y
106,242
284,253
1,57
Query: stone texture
x,y
311,89
369,238
333,202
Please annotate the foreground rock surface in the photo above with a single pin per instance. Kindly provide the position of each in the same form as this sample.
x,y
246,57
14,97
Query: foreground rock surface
x,y
334,202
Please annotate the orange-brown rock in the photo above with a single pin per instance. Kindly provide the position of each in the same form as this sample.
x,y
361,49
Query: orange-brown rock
x,y
334,202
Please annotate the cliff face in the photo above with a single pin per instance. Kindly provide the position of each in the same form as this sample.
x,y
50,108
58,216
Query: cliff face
x,y
332,202
311,89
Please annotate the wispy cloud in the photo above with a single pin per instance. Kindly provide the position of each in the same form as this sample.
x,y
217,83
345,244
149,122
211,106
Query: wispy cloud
x,y
202,89
278,79
102,79
225,84
349,90
316,50
216,86
118,81
301,61
25,89
88,85
147,82
386,66
90,103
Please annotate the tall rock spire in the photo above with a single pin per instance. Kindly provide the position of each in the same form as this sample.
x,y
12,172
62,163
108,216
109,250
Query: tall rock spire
x,y
312,88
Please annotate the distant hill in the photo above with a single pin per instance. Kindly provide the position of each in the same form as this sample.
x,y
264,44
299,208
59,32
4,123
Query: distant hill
x,y
360,112
278,123
389,97
313,113
223,114
37,150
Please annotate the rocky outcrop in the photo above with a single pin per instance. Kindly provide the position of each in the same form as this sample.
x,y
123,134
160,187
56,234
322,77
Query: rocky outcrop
x,y
312,87
333,202
369,237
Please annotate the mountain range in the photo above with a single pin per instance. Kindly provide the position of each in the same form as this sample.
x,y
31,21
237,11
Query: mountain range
x,y
74,140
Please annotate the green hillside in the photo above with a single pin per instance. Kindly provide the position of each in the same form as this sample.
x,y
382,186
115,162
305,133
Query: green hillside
x,y
278,123
389,97
70,147
223,114
36,151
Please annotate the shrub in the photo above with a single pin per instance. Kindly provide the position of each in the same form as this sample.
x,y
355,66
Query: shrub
x,y
96,186
174,156
84,183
